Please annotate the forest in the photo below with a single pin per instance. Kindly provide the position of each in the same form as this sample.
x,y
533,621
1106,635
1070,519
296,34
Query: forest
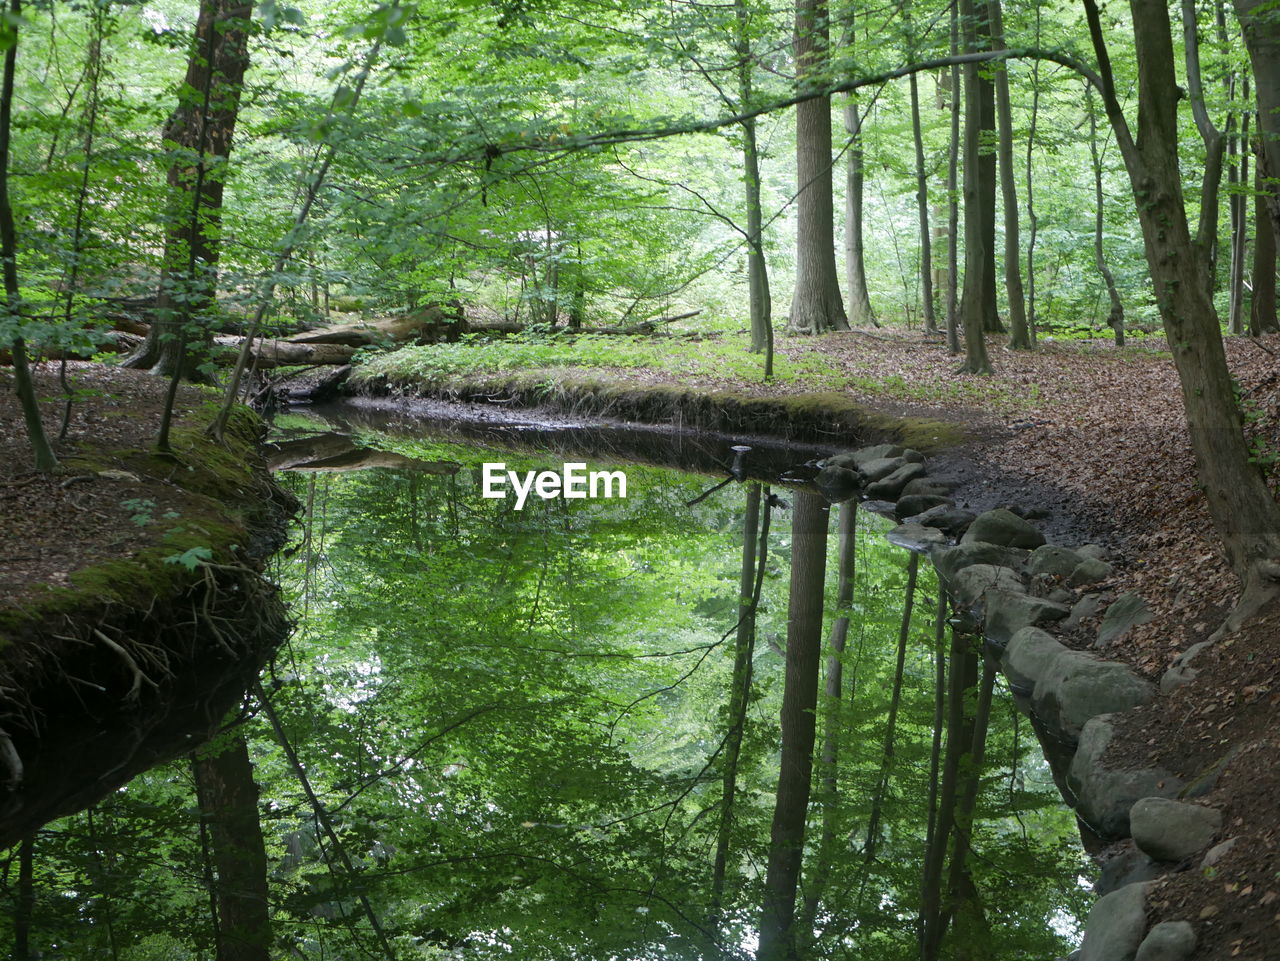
x,y
1030,243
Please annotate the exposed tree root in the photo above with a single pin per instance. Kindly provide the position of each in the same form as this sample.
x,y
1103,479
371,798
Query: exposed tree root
x,y
139,678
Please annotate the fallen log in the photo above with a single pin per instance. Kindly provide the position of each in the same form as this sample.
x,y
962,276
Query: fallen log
x,y
334,452
269,354
426,326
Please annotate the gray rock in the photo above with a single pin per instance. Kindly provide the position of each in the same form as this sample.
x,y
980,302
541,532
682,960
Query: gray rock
x,y
1127,866
873,470
1217,853
1003,528
914,456
952,559
892,484
1105,795
1060,595
1081,610
1054,560
1128,611
1076,687
1027,657
1116,925
1168,941
953,520
864,455
1172,830
883,508
838,483
1096,551
928,485
971,583
916,537
1089,571
1007,613
910,505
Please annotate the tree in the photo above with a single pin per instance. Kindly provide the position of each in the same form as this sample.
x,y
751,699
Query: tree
x,y
1019,336
816,306
978,300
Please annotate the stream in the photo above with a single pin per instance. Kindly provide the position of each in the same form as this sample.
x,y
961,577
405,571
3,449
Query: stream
x,y
534,724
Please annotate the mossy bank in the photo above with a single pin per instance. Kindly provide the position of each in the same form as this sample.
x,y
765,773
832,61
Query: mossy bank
x,y
123,663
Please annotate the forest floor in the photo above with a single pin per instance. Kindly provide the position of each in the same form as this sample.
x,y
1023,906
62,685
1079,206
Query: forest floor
x,y
1096,434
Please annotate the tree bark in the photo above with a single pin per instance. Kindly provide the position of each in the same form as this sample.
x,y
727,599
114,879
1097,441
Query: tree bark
x,y
953,195
201,142
761,302
1237,176
228,799
977,303
1262,40
26,900
799,702
1262,306
1215,145
816,306
1019,338
922,205
1115,319
855,265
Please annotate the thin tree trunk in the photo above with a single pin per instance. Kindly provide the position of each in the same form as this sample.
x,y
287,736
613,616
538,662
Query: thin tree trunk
x,y
1262,305
1031,206
1214,147
935,759
26,901
761,305
816,306
977,303
922,204
799,702
106,875
228,799
1115,319
953,195
1238,209
1019,338
1262,40
45,460
755,543
855,266
833,688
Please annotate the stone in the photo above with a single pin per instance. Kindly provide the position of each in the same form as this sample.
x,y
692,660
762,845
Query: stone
x,y
865,455
1027,657
1082,610
1127,612
838,483
1096,551
1054,560
1105,795
910,505
1217,853
1116,925
1172,830
892,484
883,508
911,455
1089,571
1062,596
1127,866
1007,613
971,583
953,520
916,537
1076,687
952,559
928,485
873,470
1003,528
1168,941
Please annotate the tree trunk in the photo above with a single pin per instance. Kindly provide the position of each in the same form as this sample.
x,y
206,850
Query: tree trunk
x,y
1245,514
228,799
977,303
953,195
761,302
1262,306
26,900
1115,319
1262,40
922,204
1237,176
1019,338
799,702
1214,147
1034,221
855,267
201,142
816,306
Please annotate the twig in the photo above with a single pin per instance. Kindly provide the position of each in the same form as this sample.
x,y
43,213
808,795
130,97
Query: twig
x,y
138,676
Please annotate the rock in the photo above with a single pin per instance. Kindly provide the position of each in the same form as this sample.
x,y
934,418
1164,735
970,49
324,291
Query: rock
x,y
1104,795
1003,528
1127,866
916,537
883,508
952,559
892,484
1217,853
1128,611
873,470
1027,657
910,505
1089,571
1007,613
1172,830
1168,941
1054,560
1116,925
838,483
1060,595
953,520
971,583
1096,551
1081,610
913,456
864,455
928,485
1076,687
